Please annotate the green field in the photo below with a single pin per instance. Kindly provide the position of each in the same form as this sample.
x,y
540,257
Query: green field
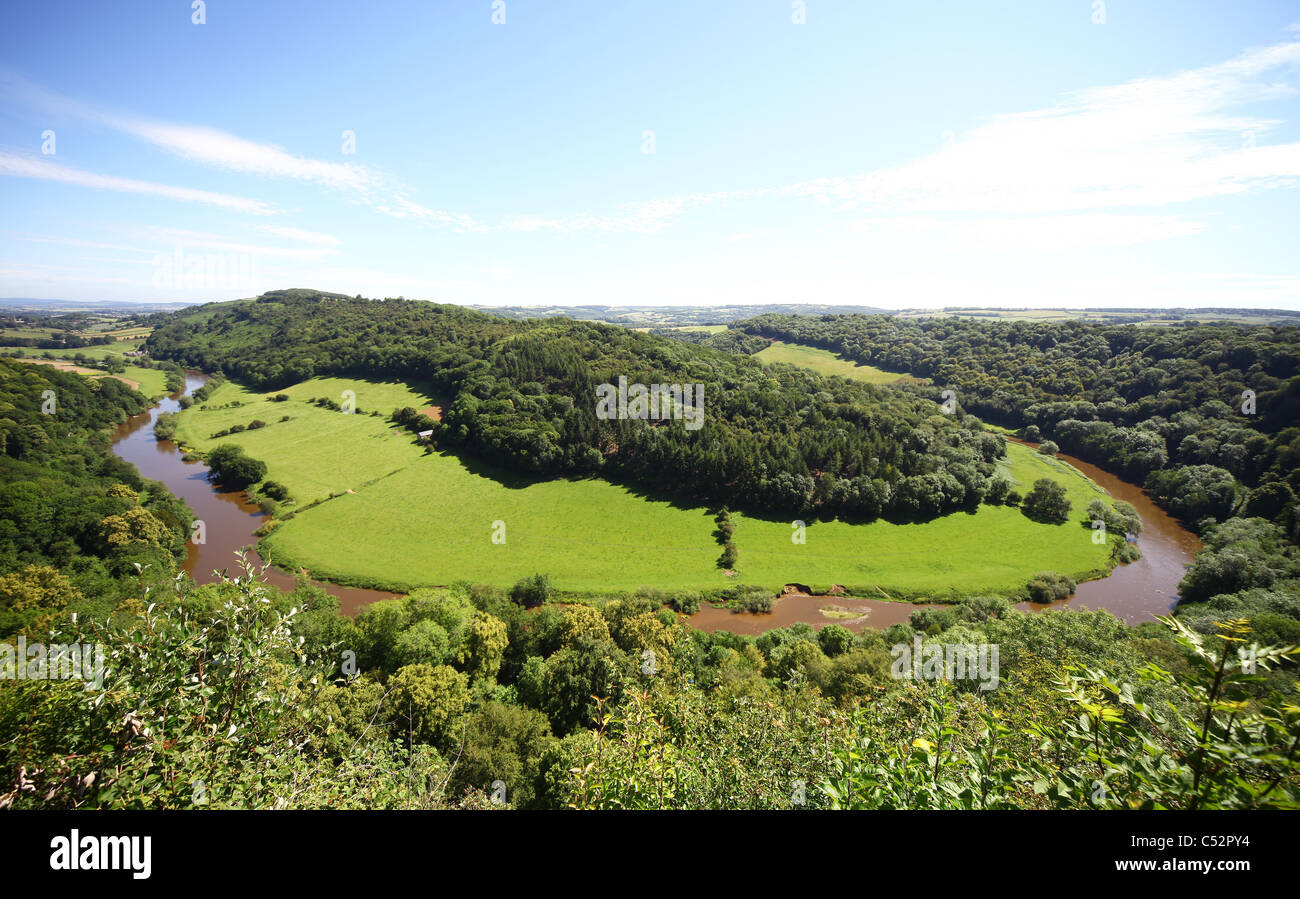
x,y
420,518
25,334
153,381
117,348
317,452
825,362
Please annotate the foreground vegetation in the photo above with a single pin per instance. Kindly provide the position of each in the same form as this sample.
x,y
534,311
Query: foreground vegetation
x,y
235,696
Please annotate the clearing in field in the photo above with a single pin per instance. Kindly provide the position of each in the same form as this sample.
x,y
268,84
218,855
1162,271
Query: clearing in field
x,y
826,363
401,517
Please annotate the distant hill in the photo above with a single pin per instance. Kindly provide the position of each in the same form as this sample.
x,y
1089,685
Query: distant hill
x,y
37,304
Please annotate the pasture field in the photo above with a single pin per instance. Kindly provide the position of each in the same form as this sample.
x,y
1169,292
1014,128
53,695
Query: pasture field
x,y
103,351
418,518
25,334
825,362
152,381
318,451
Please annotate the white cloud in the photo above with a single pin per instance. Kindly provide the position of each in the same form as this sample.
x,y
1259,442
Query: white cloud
x,y
220,149
223,150
1149,142
47,170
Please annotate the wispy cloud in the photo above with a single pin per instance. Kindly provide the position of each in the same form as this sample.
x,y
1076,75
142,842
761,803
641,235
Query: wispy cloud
x,y
1150,142
300,235
45,169
210,146
215,148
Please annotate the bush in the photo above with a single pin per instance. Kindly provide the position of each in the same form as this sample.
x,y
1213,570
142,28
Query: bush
x,y
275,490
686,602
532,591
229,465
835,639
1047,502
1048,448
999,490
165,426
729,555
255,424
1050,587
758,603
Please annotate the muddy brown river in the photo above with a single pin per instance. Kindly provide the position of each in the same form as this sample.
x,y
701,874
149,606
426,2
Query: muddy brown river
x,y
1136,592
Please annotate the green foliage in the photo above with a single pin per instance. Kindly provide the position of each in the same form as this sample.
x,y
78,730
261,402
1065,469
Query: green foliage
x,y
1047,502
230,465
673,748
1211,746
424,701
532,591
1050,586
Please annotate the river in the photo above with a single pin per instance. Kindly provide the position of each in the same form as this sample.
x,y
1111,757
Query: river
x,y
1135,592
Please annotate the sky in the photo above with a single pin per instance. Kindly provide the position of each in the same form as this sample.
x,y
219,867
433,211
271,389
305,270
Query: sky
x,y
544,152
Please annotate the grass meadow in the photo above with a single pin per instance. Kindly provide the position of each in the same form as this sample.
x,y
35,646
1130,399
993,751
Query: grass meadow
x,y
417,518
825,362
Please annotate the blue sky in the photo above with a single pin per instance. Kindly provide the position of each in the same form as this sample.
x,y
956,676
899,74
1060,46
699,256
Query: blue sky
x,y
899,155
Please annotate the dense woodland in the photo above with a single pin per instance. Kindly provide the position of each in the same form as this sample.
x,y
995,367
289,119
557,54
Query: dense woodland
x,y
75,519
1164,406
239,695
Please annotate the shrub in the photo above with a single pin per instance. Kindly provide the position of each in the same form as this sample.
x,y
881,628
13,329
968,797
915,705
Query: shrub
x,y
532,591
275,490
729,556
686,601
1047,502
1050,587
229,465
